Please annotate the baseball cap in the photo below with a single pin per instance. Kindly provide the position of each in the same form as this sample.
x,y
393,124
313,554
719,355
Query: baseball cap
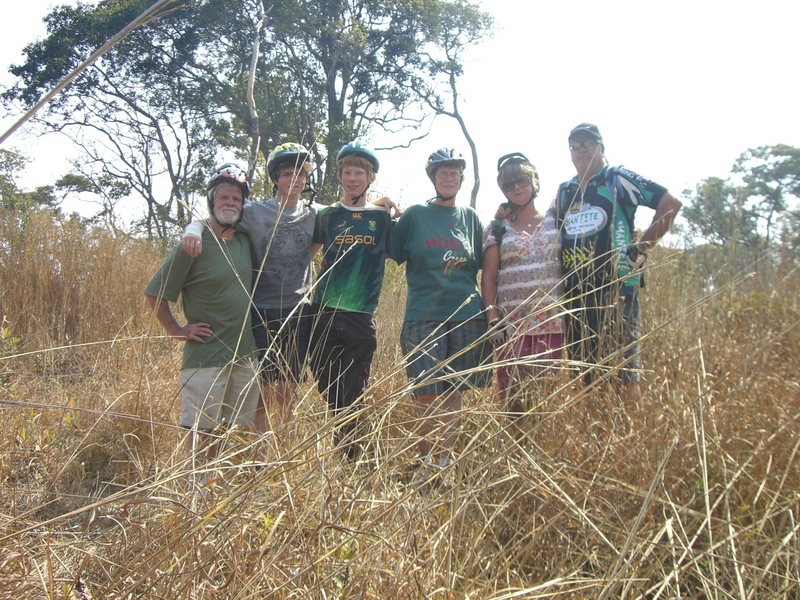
x,y
589,128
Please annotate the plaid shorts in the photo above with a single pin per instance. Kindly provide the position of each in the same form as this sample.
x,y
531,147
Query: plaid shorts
x,y
441,357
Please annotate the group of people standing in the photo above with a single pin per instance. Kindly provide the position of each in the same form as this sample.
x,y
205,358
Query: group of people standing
x,y
565,283
558,283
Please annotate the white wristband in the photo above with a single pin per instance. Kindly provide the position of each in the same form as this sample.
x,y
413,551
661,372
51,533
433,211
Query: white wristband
x,y
194,228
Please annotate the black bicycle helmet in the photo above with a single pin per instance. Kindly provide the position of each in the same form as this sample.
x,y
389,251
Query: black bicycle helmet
x,y
520,159
512,158
228,173
517,158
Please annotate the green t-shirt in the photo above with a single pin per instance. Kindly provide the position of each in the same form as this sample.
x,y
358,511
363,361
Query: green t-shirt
x,y
214,288
442,249
353,256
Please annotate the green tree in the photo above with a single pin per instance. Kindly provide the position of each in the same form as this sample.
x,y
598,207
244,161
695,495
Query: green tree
x,y
137,133
376,63
13,199
771,176
162,102
717,213
790,238
460,26
752,224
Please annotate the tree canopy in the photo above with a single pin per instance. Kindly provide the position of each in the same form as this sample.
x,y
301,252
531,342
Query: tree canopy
x,y
13,199
740,215
717,213
153,113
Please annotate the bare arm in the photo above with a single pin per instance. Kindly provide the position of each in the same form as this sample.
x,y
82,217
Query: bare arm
x,y
389,205
666,211
491,267
192,238
196,332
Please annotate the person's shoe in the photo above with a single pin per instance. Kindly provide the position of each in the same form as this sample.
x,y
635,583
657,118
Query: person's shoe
x,y
429,476
204,482
352,450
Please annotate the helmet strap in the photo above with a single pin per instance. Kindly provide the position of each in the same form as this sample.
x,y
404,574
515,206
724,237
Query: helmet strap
x,y
444,198
515,208
439,194
225,228
355,200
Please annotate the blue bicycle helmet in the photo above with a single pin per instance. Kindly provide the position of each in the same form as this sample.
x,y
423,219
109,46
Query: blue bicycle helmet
x,y
360,149
444,157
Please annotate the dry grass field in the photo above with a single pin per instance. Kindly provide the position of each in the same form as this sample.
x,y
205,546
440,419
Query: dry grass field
x,y
697,498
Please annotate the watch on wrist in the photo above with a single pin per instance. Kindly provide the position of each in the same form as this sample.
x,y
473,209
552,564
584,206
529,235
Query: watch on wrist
x,y
638,249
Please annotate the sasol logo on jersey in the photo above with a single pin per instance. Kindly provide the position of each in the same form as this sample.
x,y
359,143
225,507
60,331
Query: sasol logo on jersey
x,y
586,222
348,239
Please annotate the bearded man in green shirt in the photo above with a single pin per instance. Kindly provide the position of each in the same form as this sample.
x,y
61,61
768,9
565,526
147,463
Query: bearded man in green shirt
x,y
219,387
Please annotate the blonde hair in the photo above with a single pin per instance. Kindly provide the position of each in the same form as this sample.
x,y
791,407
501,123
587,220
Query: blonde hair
x,y
513,169
354,160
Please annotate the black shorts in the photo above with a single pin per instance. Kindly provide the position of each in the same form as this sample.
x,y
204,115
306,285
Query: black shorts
x,y
282,337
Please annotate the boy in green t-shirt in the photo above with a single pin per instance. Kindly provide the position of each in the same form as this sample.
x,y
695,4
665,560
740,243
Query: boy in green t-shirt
x,y
354,237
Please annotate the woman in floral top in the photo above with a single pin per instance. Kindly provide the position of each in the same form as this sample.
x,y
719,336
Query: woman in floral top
x,y
522,282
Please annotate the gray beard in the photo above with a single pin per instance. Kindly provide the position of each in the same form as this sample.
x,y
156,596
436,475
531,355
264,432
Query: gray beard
x,y
223,222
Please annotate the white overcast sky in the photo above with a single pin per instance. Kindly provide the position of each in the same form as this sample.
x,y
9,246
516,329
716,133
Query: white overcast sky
x,y
679,89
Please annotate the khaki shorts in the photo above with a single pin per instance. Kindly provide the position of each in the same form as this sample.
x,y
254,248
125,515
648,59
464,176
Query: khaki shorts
x,y
214,396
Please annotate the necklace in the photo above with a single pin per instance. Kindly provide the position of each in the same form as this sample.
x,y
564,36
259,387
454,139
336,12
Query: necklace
x,y
529,224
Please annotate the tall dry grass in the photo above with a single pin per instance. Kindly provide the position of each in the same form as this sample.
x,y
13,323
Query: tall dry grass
x,y
697,499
